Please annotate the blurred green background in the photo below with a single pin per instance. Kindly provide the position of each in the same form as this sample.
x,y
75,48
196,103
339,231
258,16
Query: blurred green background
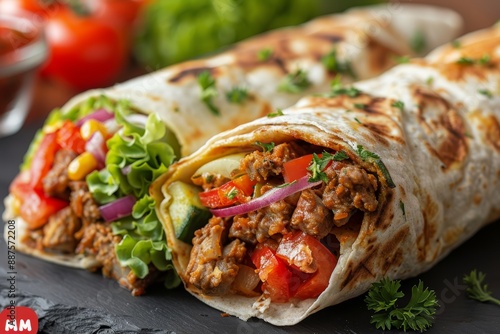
x,y
175,30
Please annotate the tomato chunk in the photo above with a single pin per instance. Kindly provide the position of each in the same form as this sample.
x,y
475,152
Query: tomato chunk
x,y
69,137
292,248
43,159
232,192
273,272
297,168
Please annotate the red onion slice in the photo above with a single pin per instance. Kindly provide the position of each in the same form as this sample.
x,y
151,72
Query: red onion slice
x,y
120,208
95,145
267,199
100,115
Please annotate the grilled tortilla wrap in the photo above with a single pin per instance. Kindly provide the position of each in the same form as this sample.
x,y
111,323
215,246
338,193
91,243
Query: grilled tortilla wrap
x,y
264,73
407,167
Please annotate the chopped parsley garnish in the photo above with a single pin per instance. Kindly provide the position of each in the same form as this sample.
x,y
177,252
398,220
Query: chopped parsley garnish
x,y
295,82
403,59
267,147
319,164
477,290
357,120
237,95
484,60
338,89
334,65
277,113
372,157
418,42
402,207
456,44
265,54
284,185
399,104
208,91
417,315
486,93
361,106
232,193
429,81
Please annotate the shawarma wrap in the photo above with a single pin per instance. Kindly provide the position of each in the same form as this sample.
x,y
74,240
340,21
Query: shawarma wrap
x,y
82,199
286,215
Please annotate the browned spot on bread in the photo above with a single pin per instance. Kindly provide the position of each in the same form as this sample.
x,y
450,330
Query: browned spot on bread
x,y
430,213
477,199
360,271
443,125
386,215
331,37
392,254
189,72
491,132
381,56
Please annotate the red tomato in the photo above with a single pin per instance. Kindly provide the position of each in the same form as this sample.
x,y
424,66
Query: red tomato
x,y
43,160
229,193
85,52
317,282
36,208
41,8
123,13
273,272
297,168
69,137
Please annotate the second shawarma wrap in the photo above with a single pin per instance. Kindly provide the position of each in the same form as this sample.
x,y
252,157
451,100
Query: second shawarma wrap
x,y
82,199
284,216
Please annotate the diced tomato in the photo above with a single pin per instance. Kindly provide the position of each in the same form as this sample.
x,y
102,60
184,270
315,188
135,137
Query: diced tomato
x,y
273,272
36,207
234,191
69,137
297,168
43,160
291,245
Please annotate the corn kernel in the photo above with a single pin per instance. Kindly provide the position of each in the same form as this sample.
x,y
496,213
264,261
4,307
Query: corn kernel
x,y
81,166
92,126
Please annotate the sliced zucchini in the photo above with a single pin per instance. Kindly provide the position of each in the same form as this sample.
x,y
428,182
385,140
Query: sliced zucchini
x,y
222,166
186,211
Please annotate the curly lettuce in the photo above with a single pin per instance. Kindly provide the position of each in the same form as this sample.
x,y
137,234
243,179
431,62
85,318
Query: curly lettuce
x,y
138,154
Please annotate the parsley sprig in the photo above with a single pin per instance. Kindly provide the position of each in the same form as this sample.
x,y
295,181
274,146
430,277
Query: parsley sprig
x,y
237,95
267,147
295,82
319,164
477,290
417,315
208,91
338,89
372,157
334,65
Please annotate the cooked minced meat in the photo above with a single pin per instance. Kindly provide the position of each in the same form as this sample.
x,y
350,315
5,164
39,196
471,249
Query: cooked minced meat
x,y
82,203
311,216
59,232
213,267
98,240
209,181
55,183
349,188
262,165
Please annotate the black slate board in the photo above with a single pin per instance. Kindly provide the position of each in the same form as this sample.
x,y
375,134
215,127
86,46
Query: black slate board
x,y
77,301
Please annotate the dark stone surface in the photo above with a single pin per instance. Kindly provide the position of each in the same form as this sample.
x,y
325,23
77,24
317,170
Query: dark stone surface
x,y
77,301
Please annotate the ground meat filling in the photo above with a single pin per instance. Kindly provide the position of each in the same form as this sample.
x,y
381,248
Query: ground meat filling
x,y
213,267
262,165
317,211
55,183
59,232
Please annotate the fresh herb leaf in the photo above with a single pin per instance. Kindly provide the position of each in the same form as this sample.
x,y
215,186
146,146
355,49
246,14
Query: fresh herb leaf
x,y
264,54
232,193
318,164
237,95
284,185
417,315
402,207
338,89
268,147
456,44
361,106
295,82
357,120
277,113
399,104
334,65
418,42
466,61
372,157
208,91
484,60
486,93
403,59
477,290
429,81
340,155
